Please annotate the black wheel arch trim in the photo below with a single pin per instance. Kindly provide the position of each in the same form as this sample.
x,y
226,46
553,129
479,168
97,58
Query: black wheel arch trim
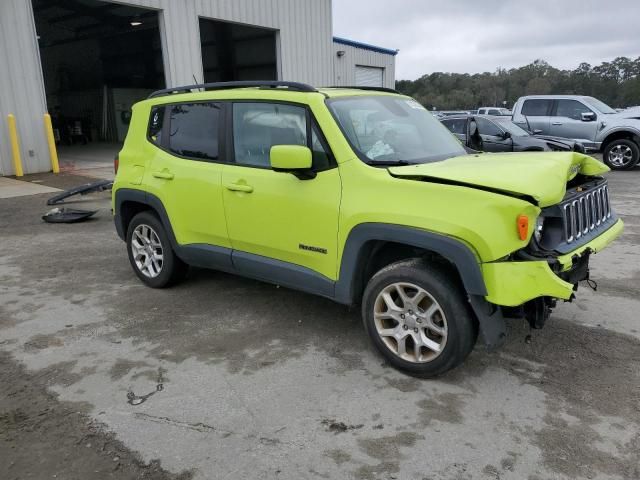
x,y
451,249
123,195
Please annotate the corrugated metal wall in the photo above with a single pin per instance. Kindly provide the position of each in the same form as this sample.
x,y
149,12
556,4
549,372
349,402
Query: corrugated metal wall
x,y
21,88
306,53
304,28
345,66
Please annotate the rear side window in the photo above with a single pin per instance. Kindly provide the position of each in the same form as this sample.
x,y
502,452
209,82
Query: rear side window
x,y
536,108
156,121
194,130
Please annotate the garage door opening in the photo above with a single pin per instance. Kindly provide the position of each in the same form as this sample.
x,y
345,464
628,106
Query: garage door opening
x,y
233,52
98,59
369,76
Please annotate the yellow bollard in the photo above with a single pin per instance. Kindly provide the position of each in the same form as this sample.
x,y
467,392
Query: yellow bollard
x,y
15,145
53,153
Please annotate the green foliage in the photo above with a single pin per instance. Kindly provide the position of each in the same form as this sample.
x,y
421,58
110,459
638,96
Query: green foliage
x,y
616,83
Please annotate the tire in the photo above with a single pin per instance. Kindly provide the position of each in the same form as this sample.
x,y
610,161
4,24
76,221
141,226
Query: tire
x,y
145,237
621,154
450,324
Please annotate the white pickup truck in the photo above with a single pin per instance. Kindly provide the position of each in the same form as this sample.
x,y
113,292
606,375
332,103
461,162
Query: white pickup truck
x,y
586,120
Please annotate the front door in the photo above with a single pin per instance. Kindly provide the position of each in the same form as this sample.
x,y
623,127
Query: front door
x,y
493,139
275,215
567,121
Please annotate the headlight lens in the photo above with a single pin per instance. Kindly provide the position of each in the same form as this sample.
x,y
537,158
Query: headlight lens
x,y
539,227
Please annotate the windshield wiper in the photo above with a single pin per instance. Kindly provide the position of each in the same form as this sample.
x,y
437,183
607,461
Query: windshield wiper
x,y
388,162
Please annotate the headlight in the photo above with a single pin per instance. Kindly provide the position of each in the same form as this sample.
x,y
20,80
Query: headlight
x,y
538,230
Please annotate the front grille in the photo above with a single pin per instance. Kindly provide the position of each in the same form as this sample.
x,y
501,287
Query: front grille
x,y
586,213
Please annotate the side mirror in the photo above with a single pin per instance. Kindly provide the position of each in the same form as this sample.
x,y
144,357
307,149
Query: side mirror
x,y
506,135
537,131
294,159
588,116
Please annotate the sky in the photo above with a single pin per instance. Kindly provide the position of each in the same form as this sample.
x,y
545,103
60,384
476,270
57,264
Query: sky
x,y
470,36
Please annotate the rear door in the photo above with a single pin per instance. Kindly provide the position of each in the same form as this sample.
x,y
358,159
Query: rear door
x,y
186,170
538,113
566,121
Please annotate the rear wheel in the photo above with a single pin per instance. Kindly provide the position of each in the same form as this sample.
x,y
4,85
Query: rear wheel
x,y
417,317
150,253
621,154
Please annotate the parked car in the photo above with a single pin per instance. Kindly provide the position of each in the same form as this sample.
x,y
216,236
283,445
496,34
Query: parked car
x,y
488,133
494,111
298,186
586,120
449,113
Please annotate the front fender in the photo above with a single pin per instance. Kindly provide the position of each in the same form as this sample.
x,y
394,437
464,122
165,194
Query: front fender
x,y
455,251
601,136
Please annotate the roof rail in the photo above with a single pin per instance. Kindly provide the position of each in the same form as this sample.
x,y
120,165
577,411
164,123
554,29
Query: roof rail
x,y
374,89
300,87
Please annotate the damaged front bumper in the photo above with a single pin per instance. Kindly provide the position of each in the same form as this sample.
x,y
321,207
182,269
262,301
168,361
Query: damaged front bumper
x,y
513,283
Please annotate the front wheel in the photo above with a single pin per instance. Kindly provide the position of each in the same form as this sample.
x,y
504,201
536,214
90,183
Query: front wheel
x,y
417,317
621,154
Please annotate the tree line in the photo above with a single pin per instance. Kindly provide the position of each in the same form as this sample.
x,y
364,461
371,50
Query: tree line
x,y
616,83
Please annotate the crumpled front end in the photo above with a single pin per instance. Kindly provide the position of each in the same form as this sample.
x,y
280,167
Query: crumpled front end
x,y
513,283
529,281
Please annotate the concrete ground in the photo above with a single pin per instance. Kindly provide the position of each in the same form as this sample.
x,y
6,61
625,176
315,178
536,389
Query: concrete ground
x,y
95,159
246,380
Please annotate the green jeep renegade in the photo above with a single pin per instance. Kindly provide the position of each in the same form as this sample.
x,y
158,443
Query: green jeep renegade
x,y
362,196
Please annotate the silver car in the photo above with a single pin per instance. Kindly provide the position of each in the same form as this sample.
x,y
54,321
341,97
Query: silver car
x,y
586,120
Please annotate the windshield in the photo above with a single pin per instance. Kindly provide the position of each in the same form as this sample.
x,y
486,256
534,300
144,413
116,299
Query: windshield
x,y
393,130
512,128
600,106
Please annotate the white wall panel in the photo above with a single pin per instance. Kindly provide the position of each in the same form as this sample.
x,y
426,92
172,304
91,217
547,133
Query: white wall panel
x,y
21,88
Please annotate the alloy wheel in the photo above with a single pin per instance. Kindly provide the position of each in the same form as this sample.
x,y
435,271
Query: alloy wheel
x,y
620,155
147,251
410,322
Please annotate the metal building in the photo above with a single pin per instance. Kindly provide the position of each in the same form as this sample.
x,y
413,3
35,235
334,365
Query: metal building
x,y
87,61
361,64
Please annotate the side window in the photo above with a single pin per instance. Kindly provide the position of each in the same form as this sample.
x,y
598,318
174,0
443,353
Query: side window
x,y
494,112
156,121
536,108
485,127
259,126
194,130
320,155
457,126
571,109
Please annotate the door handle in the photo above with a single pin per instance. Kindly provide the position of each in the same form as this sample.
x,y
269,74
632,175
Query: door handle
x,y
556,123
239,187
164,174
